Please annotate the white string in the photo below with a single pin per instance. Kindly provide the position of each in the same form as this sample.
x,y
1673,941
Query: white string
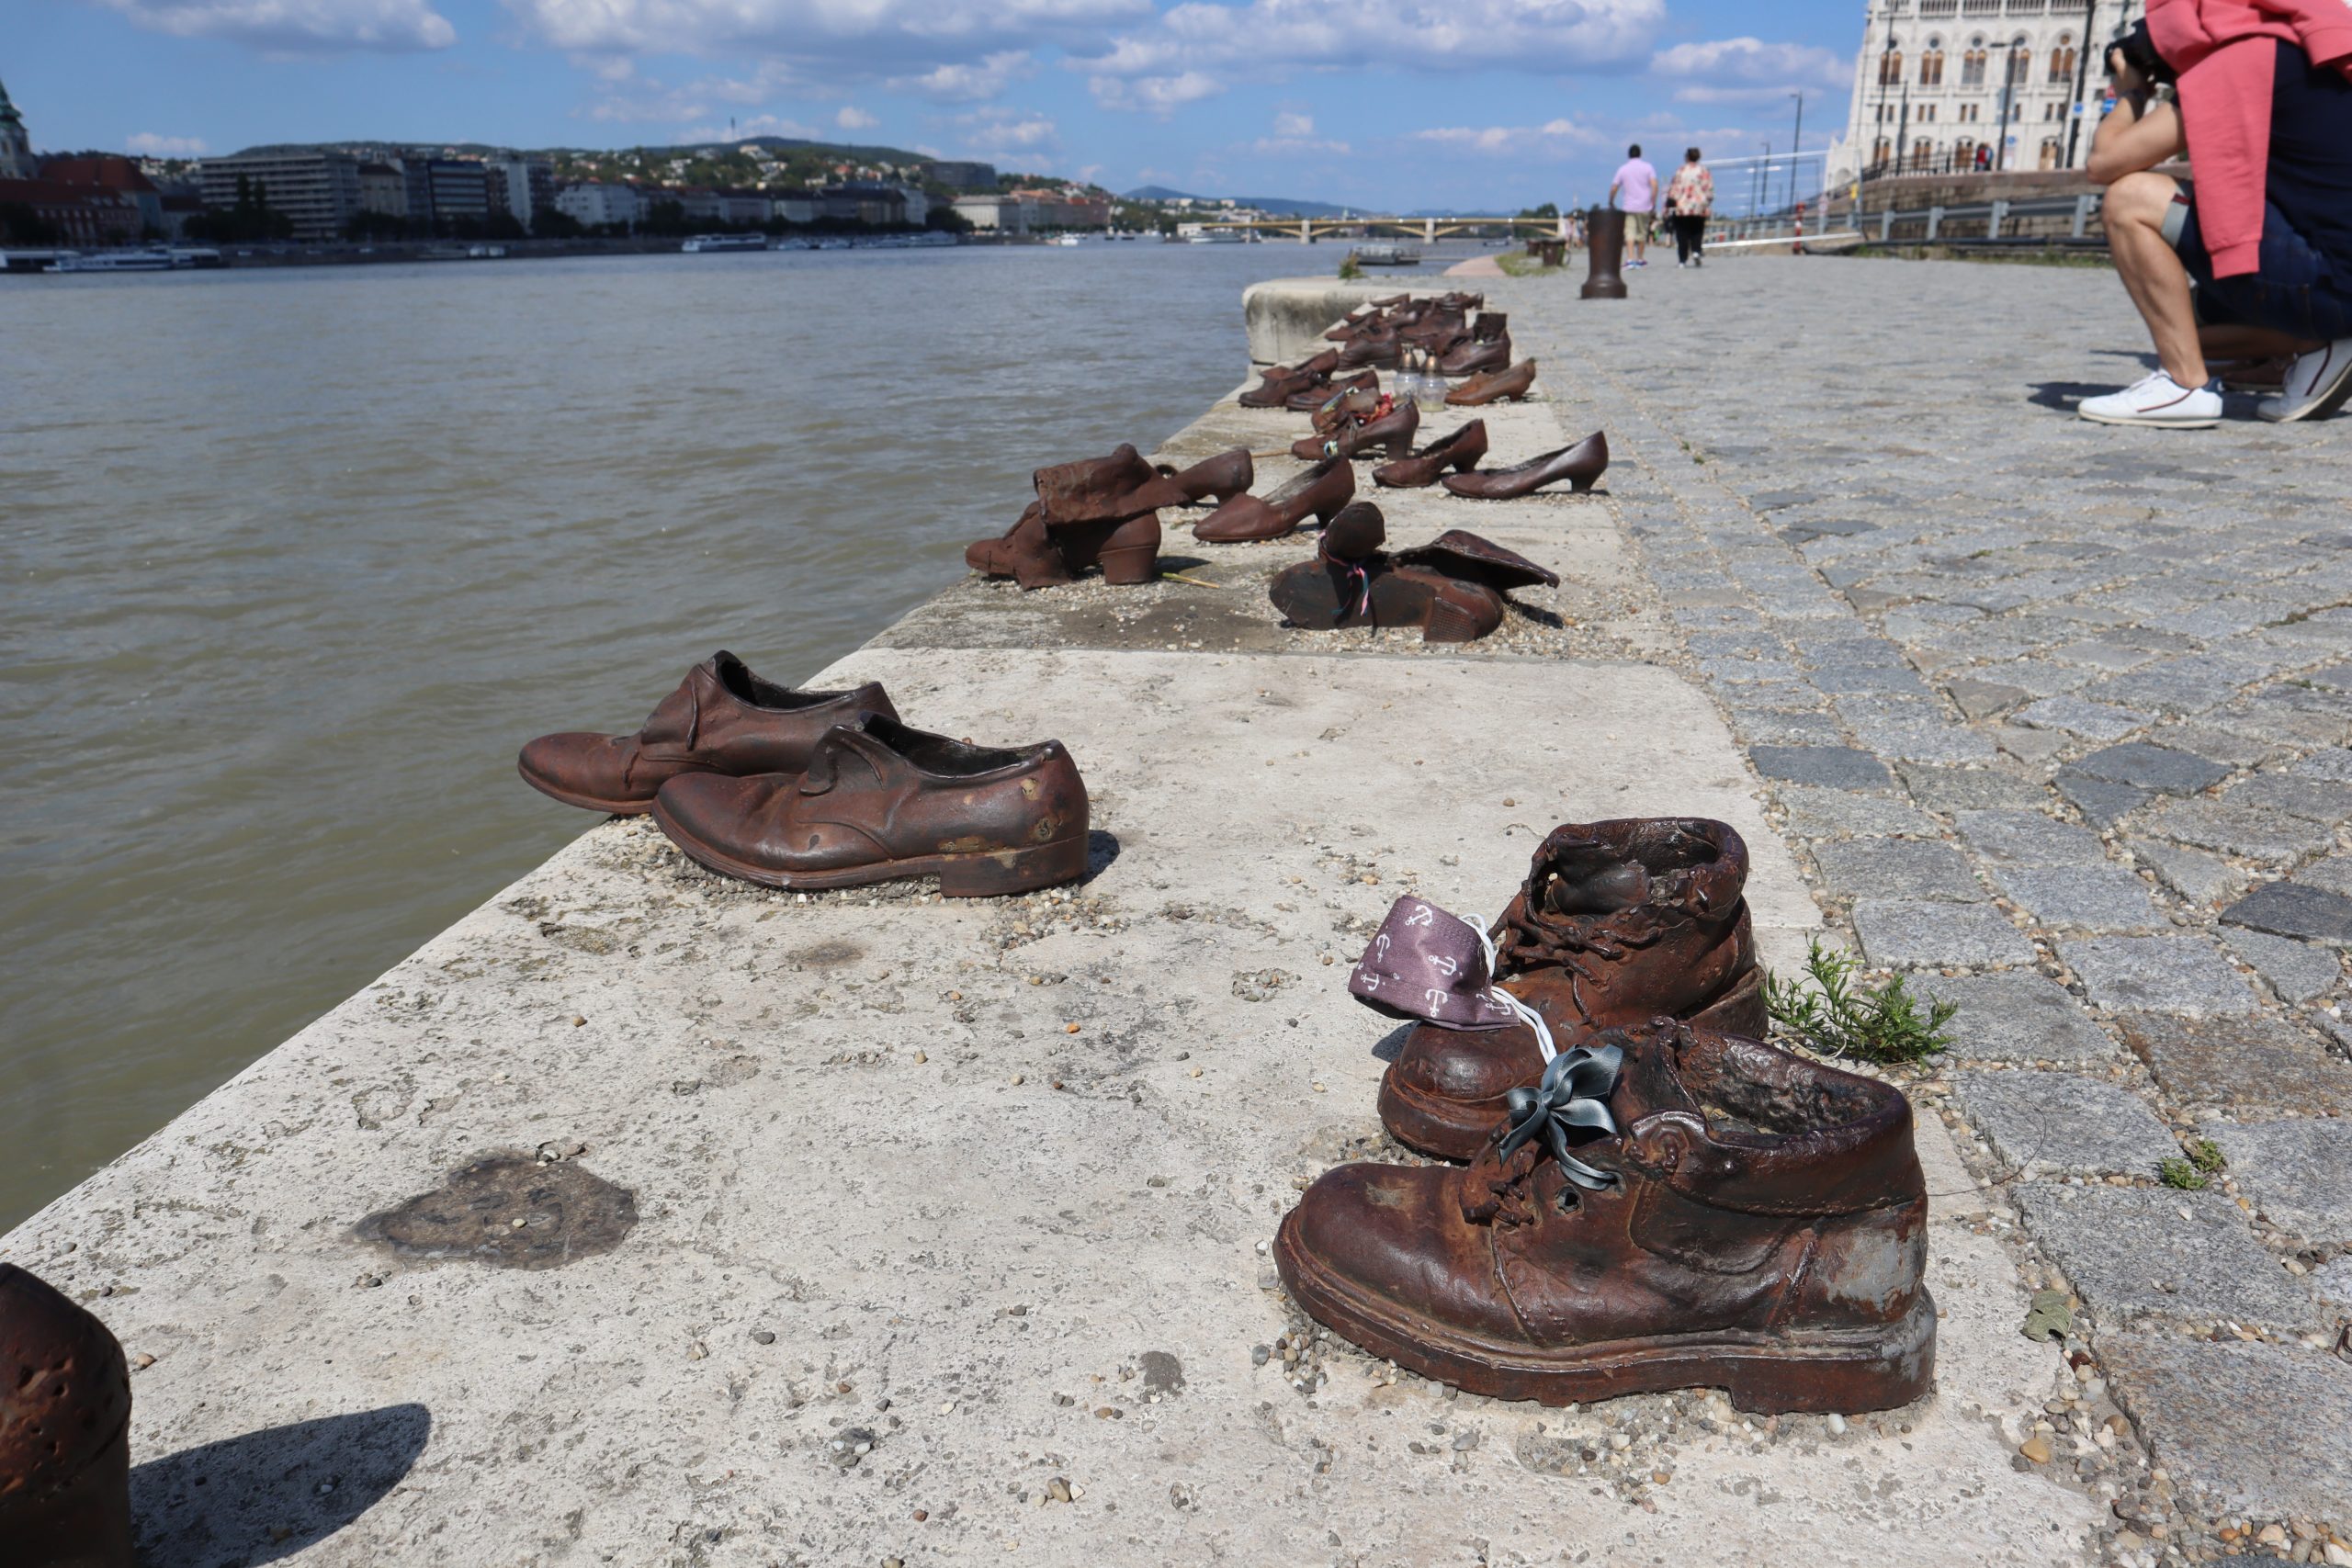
x,y
1527,1015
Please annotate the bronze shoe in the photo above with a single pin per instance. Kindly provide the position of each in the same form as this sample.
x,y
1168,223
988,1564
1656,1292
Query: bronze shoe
x,y
1492,326
1581,464
1355,403
1224,476
1453,588
879,801
1382,350
722,720
1617,922
1510,385
1313,397
1478,355
1460,450
1320,492
1280,382
64,1432
1676,1208
1391,433
1027,554
1097,511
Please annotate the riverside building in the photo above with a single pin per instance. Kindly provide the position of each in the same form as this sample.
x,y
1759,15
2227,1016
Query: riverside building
x,y
318,190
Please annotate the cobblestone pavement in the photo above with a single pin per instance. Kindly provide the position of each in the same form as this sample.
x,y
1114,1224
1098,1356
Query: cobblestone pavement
x,y
2060,713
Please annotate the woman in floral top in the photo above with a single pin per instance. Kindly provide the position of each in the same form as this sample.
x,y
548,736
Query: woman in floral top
x,y
1690,197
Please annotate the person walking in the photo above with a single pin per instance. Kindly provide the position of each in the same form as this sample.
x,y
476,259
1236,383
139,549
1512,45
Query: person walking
x,y
1690,199
1633,192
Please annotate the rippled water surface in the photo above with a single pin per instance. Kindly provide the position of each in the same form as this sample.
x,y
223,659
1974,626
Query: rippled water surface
x,y
295,559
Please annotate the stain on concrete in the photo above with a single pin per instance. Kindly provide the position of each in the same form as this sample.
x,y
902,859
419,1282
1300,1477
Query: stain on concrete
x,y
510,1212
1163,1374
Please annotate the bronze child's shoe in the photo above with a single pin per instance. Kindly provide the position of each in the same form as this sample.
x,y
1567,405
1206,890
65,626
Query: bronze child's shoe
x,y
1581,464
1617,922
1453,588
64,1432
1460,451
1224,476
1510,385
722,720
1391,433
1674,1208
879,802
1320,492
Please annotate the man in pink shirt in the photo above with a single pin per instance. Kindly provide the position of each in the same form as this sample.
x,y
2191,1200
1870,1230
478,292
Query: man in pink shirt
x,y
1633,192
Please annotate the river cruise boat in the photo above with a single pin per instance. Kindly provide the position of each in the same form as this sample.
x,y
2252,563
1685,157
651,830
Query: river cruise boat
x,y
704,243
1386,256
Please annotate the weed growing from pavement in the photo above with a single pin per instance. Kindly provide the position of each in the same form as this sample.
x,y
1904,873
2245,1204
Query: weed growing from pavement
x,y
1843,1016
2204,1162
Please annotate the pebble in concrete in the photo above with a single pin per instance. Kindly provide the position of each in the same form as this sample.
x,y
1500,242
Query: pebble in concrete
x,y
2255,1063
2299,1173
1839,767
1910,934
2063,1123
2133,1252
2290,909
2016,1017
2080,897
2029,838
2239,1426
2296,970
1899,868
2177,973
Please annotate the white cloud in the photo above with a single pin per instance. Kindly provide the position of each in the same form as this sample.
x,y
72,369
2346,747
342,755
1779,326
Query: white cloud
x,y
1293,125
297,25
870,37
968,81
1556,136
1153,95
1005,130
852,118
1295,136
1748,70
147,144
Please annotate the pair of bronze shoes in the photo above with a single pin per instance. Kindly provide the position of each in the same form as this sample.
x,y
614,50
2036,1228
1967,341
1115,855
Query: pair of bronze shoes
x,y
1099,512
1454,587
1649,1196
801,789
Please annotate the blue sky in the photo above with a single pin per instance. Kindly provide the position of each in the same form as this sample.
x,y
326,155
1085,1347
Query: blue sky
x,y
1386,103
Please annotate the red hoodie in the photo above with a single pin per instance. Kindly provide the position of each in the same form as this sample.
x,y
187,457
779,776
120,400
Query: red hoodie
x,y
2225,53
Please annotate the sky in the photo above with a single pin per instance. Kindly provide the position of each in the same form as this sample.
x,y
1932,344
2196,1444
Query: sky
x,y
1394,105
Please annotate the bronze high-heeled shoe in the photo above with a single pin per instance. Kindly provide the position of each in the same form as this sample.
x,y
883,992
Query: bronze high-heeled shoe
x,y
1459,451
1581,464
1391,432
1510,385
1320,492
1224,476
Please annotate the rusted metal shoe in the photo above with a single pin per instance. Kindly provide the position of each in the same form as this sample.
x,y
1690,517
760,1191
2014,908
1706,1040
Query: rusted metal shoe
x,y
1671,1208
1453,588
1319,492
1282,380
1476,356
1581,464
1383,349
1313,397
879,802
1492,326
1388,432
1224,476
1618,921
722,720
1504,386
1459,451
1096,511
1343,408
64,1432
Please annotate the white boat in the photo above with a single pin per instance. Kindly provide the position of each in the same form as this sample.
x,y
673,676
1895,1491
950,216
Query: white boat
x,y
1216,237
117,261
706,242
1063,240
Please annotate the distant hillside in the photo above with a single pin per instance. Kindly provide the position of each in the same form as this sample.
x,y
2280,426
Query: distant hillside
x,y
840,152
1280,206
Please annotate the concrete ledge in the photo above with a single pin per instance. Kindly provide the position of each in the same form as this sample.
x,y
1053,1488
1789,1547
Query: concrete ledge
x,y
1288,316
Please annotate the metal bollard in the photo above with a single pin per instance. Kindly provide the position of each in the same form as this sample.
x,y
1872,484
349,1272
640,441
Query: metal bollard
x,y
1605,247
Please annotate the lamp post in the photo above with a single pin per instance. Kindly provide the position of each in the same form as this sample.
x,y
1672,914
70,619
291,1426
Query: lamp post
x,y
1886,82
2082,80
1796,149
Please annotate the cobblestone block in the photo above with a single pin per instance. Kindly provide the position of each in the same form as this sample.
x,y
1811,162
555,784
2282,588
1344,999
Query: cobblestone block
x,y
1982,699
2333,873
1898,868
2019,1016
1922,742
2332,1282
1907,934
2080,897
2236,1425
1773,726
2242,1065
2334,762
2173,974
2318,800
1840,767
1969,789
1868,679
2092,721
2199,877
2063,1123
2292,909
2299,1173
2238,829
2297,971
2029,838
1825,813
2149,767
2101,803
2135,1252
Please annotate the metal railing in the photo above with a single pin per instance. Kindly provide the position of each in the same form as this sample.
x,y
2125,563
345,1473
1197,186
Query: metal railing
x,y
2002,221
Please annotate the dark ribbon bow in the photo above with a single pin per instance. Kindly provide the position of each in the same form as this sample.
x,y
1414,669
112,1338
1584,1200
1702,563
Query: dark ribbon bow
x,y
1571,1097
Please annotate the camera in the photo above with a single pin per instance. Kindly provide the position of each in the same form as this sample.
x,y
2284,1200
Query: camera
x,y
2139,51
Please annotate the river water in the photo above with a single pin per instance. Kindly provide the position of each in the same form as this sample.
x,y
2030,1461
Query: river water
x,y
295,559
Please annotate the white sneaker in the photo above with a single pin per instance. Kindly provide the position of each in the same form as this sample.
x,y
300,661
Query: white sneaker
x,y
2156,399
2317,385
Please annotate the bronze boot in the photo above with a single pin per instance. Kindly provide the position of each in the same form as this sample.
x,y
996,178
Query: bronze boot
x,y
722,720
1460,451
879,802
64,1432
1320,492
1224,476
1618,921
1510,385
1673,1208
1581,464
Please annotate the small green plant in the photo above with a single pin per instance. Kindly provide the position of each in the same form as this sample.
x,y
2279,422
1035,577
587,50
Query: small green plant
x,y
1842,1016
1350,269
2205,1156
2180,1173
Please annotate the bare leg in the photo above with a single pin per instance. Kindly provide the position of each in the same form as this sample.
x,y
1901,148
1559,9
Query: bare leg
x,y
2152,275
2252,343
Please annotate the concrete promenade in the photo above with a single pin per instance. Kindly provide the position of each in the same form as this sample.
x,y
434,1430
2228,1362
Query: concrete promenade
x,y
644,1217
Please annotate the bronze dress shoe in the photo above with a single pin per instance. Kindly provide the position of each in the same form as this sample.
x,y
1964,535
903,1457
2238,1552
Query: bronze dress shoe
x,y
1453,588
1475,357
722,720
1460,450
64,1432
1382,350
1391,433
1320,492
1618,921
879,802
1224,476
1673,1208
1282,380
1310,398
1510,385
1581,464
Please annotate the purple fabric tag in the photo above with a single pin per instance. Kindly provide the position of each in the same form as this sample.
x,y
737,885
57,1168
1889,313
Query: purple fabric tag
x,y
1426,964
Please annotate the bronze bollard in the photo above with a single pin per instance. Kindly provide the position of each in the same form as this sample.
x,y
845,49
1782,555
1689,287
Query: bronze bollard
x,y
64,1432
1604,229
